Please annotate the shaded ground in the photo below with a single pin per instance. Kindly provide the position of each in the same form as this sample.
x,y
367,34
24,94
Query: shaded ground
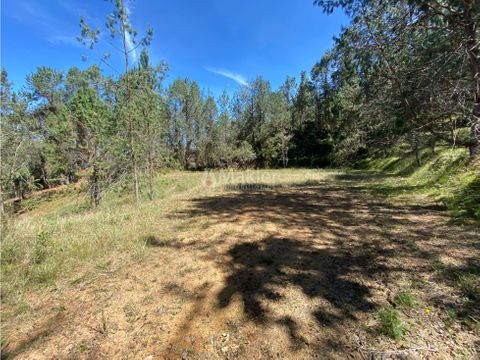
x,y
292,271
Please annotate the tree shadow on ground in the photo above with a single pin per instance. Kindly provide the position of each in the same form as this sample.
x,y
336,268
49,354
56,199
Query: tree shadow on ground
x,y
43,330
274,262
347,245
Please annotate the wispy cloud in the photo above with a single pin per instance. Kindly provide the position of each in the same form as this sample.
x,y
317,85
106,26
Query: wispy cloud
x,y
29,12
240,79
64,40
131,46
32,13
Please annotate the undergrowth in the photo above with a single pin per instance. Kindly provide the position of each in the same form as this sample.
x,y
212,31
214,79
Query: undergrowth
x,y
391,324
447,177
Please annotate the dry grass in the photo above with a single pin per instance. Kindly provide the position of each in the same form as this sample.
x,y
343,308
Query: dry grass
x,y
252,264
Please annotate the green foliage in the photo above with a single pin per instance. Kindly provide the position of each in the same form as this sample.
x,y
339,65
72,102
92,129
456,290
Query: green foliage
x,y
405,299
469,283
466,279
41,247
447,176
465,197
390,106
391,324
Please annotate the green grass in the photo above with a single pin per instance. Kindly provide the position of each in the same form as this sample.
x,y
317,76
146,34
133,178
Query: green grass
x,y
466,279
63,242
405,299
447,177
52,242
391,324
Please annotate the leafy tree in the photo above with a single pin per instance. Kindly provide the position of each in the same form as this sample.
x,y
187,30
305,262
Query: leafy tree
x,y
150,110
90,115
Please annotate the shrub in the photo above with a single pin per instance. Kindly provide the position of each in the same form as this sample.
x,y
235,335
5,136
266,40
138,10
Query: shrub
x,y
41,247
390,323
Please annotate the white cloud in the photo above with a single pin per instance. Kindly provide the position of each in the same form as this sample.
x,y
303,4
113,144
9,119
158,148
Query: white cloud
x,y
131,48
128,37
240,79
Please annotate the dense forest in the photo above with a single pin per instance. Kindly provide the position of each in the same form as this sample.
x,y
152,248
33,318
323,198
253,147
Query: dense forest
x,y
402,72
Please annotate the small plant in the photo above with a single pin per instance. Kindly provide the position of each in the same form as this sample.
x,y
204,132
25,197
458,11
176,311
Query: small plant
x,y
452,314
390,323
131,312
405,299
41,247
103,325
82,347
452,317
470,285
140,252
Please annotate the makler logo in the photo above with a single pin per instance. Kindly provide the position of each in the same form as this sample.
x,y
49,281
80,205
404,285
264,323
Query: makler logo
x,y
209,179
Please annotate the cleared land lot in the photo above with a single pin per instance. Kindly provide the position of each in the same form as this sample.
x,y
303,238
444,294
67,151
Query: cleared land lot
x,y
260,264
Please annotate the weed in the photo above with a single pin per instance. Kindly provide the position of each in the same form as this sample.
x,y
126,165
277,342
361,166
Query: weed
x,y
139,253
452,314
405,299
41,247
82,347
452,317
470,285
103,325
391,324
131,312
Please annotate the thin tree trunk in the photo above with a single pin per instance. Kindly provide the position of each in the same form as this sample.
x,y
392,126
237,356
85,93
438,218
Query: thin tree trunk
x,y
131,142
415,148
473,50
150,161
2,207
95,186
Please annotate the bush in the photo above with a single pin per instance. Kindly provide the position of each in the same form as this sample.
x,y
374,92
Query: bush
x,y
41,247
390,323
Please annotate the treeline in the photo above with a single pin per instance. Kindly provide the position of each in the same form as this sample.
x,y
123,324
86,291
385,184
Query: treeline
x,y
65,126
402,72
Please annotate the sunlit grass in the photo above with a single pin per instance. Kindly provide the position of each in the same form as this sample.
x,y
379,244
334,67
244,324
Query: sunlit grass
x,y
61,240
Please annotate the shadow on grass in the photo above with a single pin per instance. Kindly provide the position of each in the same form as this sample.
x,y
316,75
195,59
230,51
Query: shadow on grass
x,y
466,201
44,330
466,279
349,244
275,262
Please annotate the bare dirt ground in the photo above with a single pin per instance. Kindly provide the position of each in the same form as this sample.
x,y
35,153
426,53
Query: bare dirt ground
x,y
293,272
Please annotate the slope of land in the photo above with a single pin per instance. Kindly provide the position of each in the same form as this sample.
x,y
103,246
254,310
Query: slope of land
x,y
292,264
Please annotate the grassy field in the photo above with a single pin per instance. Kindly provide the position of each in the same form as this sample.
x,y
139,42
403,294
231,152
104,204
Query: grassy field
x,y
288,263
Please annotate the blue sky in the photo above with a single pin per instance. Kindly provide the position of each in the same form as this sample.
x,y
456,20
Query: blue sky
x,y
219,43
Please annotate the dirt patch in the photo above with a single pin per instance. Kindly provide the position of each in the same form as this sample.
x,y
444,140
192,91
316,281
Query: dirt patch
x,y
281,272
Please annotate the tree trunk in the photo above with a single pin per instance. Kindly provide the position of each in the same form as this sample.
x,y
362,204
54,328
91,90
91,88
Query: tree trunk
x,y
95,192
133,159
415,149
2,207
473,51
150,161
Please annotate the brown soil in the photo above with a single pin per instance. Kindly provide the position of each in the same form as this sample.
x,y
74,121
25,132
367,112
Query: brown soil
x,y
293,273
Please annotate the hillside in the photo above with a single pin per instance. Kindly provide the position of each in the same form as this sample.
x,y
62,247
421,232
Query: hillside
x,y
252,263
